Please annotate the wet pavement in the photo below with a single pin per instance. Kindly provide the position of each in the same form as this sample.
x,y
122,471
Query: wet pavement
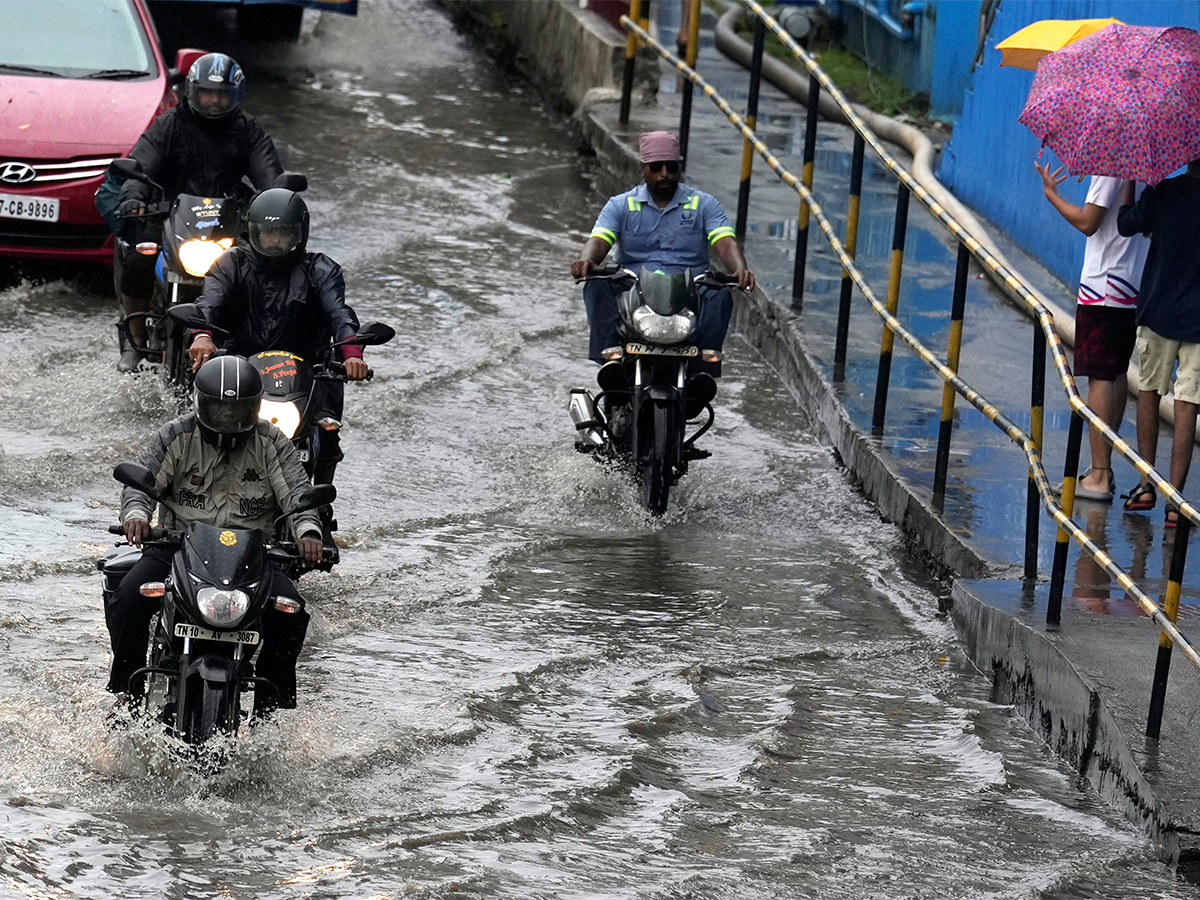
x,y
516,684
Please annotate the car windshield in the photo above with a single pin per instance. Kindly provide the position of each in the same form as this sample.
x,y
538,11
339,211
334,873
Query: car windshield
x,y
73,39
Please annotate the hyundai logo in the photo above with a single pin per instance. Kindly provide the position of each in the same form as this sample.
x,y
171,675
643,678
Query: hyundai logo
x,y
17,173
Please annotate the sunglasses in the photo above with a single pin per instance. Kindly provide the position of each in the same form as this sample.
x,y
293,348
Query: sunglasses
x,y
671,165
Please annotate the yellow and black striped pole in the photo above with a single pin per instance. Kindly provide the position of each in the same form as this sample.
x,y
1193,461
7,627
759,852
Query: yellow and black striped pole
x,y
884,378
806,177
1162,666
851,245
743,207
635,12
1062,541
958,305
1037,407
692,7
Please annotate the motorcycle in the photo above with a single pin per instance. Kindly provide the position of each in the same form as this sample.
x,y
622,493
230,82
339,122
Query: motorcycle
x,y
196,231
289,390
646,400
209,623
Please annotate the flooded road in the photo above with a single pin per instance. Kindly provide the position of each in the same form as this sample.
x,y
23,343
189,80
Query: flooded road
x,y
516,685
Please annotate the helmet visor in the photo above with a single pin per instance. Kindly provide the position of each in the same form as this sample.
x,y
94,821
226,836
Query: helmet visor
x,y
211,102
273,239
227,416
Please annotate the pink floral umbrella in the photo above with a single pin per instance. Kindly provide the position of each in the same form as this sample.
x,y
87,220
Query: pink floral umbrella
x,y
1124,101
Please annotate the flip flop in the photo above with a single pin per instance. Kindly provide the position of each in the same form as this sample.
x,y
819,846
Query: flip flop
x,y
1134,504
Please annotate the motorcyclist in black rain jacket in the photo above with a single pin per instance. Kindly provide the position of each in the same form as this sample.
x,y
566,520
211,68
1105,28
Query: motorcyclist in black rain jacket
x,y
204,146
272,294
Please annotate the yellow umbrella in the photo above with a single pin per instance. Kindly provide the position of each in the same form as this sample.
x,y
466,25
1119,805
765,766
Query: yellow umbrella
x,y
1024,48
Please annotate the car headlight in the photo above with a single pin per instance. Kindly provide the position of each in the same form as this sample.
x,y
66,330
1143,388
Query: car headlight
x,y
218,607
664,329
284,416
197,256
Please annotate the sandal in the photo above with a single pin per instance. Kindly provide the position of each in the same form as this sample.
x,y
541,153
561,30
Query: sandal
x,y
1103,496
1135,503
1172,519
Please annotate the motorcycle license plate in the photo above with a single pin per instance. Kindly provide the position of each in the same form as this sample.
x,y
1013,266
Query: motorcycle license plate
x,y
656,350
36,209
195,632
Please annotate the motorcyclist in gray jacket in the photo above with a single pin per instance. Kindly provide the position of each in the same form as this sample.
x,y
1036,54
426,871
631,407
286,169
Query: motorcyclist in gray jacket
x,y
224,466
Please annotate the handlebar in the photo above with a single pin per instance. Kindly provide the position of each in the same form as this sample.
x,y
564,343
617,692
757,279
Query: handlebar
x,y
336,371
157,535
287,551
715,279
710,278
161,208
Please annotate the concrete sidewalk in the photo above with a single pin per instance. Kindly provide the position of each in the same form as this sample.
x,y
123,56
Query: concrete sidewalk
x,y
1086,686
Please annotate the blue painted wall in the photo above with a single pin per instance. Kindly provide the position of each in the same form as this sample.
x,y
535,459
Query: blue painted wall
x,y
988,162
955,27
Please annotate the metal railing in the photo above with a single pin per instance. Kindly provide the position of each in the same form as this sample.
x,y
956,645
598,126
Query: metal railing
x,y
1038,493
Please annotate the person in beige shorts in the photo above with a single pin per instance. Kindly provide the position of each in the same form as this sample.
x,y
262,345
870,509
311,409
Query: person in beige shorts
x,y
1168,317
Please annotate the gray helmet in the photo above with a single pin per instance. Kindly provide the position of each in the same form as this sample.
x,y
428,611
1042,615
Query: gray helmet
x,y
227,391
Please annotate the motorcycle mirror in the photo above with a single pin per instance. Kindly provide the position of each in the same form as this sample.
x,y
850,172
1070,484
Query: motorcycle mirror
x,y
311,498
184,57
127,167
371,334
138,477
187,315
291,181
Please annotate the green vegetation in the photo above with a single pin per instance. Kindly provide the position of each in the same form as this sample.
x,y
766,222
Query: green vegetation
x,y
861,83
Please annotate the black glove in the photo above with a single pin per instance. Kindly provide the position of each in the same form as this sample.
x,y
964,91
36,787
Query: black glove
x,y
131,207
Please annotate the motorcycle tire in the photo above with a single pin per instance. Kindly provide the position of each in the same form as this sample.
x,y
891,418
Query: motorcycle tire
x,y
656,466
212,708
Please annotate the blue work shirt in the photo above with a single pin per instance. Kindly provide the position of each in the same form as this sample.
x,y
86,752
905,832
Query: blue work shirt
x,y
671,239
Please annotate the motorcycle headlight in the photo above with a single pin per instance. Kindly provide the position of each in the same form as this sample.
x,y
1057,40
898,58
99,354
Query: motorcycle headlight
x,y
664,329
218,607
284,416
197,256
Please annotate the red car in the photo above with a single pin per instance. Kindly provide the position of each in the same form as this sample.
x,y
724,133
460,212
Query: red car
x,y
80,80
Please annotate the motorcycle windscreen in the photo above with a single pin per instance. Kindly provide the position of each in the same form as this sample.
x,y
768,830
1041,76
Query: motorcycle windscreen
x,y
225,557
203,217
663,293
285,376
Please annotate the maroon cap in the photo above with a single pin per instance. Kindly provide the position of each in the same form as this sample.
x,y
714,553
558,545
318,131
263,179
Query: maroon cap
x,y
659,146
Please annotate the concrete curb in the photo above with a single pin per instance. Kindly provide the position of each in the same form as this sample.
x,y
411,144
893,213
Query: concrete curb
x,y
1031,673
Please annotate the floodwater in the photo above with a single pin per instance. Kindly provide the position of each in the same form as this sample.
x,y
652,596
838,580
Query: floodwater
x,y
516,685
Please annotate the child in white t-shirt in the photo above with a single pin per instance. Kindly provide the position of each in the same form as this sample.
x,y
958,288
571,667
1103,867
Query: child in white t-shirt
x,y
1105,330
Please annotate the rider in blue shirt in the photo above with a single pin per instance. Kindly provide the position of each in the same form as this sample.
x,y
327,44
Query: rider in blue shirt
x,y
662,224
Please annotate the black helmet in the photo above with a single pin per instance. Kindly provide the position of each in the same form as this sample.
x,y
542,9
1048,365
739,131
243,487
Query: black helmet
x,y
223,78
228,391
278,225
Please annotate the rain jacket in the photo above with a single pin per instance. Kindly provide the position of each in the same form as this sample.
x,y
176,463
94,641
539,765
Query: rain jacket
x,y
300,309
247,487
187,153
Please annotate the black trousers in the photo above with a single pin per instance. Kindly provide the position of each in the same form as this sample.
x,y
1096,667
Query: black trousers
x,y
128,616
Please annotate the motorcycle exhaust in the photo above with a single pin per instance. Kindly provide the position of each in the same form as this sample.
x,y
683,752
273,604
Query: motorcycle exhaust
x,y
586,417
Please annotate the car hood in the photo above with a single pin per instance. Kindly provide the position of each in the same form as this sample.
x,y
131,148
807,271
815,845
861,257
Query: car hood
x,y
49,118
